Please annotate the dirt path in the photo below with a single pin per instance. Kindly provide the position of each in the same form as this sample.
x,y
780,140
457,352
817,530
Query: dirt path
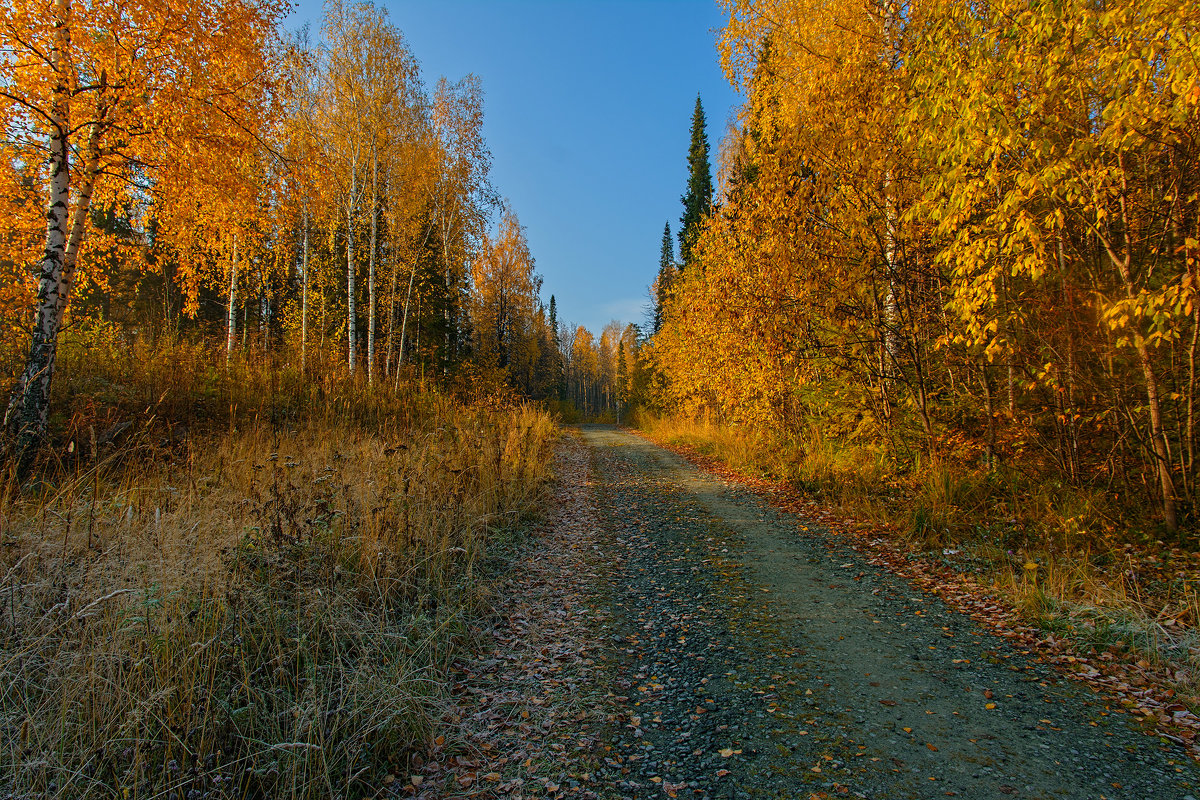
x,y
760,658
672,635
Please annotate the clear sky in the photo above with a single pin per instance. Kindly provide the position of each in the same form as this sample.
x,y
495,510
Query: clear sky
x,y
588,109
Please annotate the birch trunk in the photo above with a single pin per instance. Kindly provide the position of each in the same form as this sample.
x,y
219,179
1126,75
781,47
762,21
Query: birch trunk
x,y
304,295
371,266
264,311
29,406
83,201
404,320
1190,428
1158,437
417,343
891,305
408,299
231,320
447,225
351,332
391,306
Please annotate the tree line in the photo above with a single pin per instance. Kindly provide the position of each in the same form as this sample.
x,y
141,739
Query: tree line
x,y
190,168
971,228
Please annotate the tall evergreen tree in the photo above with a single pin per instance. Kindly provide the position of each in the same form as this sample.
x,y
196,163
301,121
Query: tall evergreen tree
x,y
698,199
666,271
558,378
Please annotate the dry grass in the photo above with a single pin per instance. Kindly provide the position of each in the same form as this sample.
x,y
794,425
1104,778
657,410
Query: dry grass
x,y
263,609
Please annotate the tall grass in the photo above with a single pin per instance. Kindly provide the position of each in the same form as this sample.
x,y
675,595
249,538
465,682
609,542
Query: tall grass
x,y
263,605
935,501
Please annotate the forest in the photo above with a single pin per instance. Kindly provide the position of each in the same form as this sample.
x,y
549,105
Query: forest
x,y
289,413
958,253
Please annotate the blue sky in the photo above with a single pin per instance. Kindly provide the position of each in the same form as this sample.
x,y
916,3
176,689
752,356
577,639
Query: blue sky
x,y
588,107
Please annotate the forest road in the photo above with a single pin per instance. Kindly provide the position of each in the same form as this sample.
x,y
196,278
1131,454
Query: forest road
x,y
755,655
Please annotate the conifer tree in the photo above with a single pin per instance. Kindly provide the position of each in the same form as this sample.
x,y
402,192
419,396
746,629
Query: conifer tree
x,y
666,271
557,385
698,199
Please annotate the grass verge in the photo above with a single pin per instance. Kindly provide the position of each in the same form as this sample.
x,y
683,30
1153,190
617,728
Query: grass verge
x,y
1054,552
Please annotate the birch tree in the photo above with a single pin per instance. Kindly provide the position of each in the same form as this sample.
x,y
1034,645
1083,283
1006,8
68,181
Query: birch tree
x,y
95,90
504,291
463,193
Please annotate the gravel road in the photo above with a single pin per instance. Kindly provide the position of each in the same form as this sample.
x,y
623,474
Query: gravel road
x,y
752,655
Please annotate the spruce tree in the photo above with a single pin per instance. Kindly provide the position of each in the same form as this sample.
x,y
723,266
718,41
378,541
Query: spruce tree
x,y
557,386
698,199
666,272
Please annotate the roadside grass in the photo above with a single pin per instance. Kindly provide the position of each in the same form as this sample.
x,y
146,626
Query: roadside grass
x,y
1064,556
256,588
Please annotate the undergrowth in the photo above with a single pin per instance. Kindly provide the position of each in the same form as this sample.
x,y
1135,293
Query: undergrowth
x,y
243,583
1068,557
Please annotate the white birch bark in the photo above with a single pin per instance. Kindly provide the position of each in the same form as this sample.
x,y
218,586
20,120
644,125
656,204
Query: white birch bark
x,y
304,293
28,410
371,265
417,343
83,200
407,299
891,305
391,330
264,310
231,320
351,310
408,296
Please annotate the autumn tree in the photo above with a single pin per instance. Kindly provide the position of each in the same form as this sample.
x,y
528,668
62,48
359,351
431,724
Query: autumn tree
x,y
585,371
460,198
99,92
366,86
505,290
